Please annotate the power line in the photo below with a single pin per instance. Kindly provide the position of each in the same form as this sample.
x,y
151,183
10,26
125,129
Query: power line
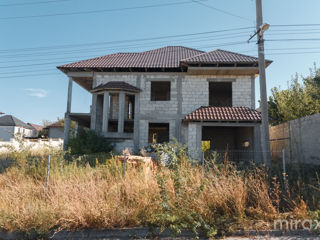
x,y
31,75
51,63
292,53
293,39
233,33
220,10
296,25
32,3
97,11
119,47
128,40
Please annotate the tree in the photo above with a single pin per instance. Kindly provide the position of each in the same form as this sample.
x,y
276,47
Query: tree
x,y
299,100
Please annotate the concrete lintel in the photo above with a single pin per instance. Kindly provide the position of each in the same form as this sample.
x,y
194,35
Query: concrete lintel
x,y
145,74
221,79
223,124
154,116
117,135
159,79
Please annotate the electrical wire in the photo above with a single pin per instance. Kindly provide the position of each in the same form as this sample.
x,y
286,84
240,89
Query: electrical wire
x,y
32,3
52,63
98,11
120,47
127,40
220,10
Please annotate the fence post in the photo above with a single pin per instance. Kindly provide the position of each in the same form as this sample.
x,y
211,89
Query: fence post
x,y
48,169
124,164
202,162
284,166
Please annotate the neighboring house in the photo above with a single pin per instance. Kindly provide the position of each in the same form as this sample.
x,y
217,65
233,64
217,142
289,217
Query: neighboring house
x,y
1,113
55,130
36,129
171,92
11,126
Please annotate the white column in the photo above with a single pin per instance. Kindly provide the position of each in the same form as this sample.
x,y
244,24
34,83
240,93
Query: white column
x,y
122,101
67,120
105,113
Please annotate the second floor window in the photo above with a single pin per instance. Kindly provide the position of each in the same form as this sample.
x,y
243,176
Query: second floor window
x,y
160,90
220,94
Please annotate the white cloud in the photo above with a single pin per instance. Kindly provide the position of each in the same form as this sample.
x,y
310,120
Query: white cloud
x,y
36,92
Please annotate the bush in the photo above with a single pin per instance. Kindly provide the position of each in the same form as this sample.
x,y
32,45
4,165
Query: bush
x,y
88,142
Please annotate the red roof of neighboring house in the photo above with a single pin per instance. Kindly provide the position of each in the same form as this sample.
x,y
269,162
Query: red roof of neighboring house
x,y
170,57
35,126
1,113
116,86
226,114
57,124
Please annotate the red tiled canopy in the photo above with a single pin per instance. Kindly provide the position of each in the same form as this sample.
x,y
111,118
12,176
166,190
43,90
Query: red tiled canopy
x,y
224,114
116,86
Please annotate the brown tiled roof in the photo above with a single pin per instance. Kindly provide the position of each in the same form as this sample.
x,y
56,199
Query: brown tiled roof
x,y
220,56
166,57
122,86
226,114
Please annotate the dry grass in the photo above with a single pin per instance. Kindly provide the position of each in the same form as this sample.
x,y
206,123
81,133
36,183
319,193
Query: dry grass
x,y
85,197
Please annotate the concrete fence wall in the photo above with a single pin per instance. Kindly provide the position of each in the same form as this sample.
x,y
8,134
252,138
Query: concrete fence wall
x,y
31,144
300,138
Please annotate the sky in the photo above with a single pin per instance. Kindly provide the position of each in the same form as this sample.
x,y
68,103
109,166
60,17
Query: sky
x,y
38,35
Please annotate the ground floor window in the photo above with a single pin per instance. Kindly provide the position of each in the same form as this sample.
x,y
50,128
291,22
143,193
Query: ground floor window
x,y
158,132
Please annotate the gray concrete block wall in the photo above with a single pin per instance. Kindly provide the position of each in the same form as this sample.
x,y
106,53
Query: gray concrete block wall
x,y
187,94
300,138
194,140
241,92
305,139
148,107
144,132
195,93
102,78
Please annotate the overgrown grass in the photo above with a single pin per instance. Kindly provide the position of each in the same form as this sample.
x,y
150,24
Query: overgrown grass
x,y
179,196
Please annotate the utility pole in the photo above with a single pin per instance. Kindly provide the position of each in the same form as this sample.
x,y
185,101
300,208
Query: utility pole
x,y
67,120
265,140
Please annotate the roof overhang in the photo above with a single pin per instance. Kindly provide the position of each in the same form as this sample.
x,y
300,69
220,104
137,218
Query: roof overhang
x,y
83,119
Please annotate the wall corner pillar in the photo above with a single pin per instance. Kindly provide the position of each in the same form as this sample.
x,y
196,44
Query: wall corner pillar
x,y
122,100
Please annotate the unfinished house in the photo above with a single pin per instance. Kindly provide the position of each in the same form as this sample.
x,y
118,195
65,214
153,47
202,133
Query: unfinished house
x,y
171,92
